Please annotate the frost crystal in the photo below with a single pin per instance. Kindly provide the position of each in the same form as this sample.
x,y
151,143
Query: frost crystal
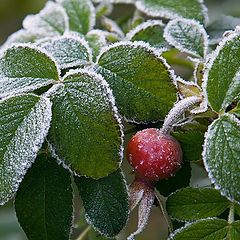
x,y
69,51
188,36
221,81
52,21
25,68
25,121
171,9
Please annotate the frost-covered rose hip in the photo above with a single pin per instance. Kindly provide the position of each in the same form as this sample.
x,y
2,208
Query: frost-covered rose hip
x,y
154,155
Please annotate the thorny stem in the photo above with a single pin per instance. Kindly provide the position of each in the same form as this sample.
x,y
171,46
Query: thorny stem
x,y
162,206
84,233
231,214
177,111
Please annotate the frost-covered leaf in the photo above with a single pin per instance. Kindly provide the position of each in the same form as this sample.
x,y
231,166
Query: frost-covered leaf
x,y
96,40
207,229
24,123
69,51
234,232
150,32
187,36
170,9
51,21
221,155
21,36
191,143
180,180
140,80
105,202
44,201
217,28
81,14
24,68
190,204
85,129
221,74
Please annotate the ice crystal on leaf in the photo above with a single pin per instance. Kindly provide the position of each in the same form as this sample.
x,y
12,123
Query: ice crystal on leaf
x,y
52,21
81,14
187,36
24,68
69,51
84,115
24,123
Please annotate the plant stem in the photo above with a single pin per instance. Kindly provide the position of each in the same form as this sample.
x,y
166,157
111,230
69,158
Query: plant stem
x,y
231,214
177,111
84,233
162,206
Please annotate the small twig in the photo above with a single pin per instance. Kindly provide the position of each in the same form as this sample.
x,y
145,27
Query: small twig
x,y
177,111
162,206
84,233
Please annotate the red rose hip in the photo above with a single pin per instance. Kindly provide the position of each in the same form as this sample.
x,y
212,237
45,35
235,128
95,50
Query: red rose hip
x,y
154,155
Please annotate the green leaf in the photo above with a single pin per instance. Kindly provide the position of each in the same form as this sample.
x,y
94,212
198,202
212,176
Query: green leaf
x,y
234,232
150,32
191,143
187,36
44,201
207,229
51,21
85,130
69,51
24,123
24,69
237,209
221,155
217,28
81,14
105,202
140,80
193,9
180,180
96,40
190,204
221,73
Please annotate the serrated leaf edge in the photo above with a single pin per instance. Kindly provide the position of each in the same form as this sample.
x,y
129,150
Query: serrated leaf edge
x,y
70,36
92,19
182,189
128,212
206,136
38,143
144,26
45,10
178,45
164,13
97,77
172,235
210,59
